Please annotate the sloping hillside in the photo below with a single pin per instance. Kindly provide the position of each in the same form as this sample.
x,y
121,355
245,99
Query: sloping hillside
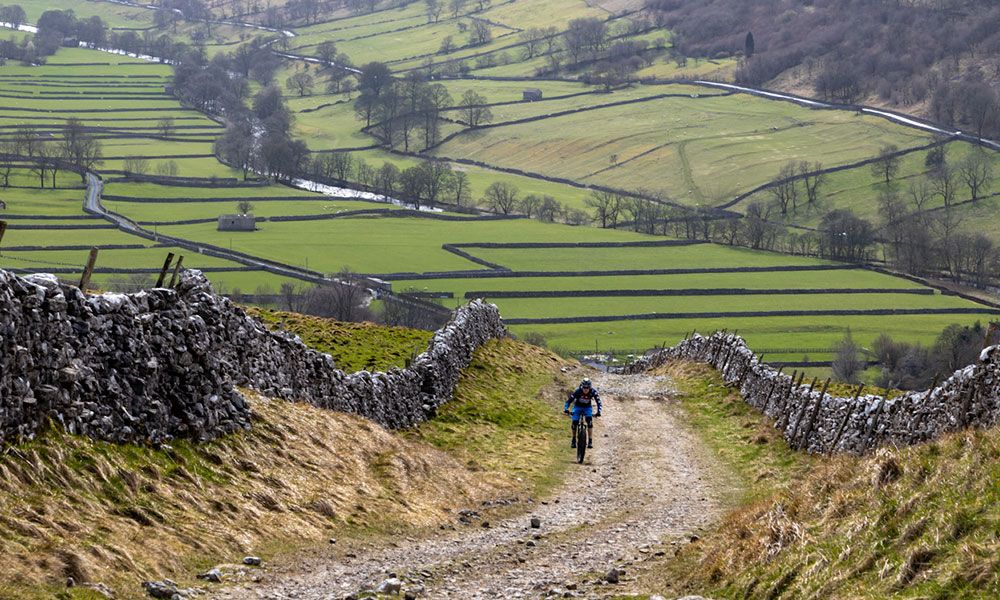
x,y
121,514
920,522
939,58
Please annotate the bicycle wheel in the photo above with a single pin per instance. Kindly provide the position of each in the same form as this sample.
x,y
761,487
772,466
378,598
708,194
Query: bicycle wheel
x,y
581,441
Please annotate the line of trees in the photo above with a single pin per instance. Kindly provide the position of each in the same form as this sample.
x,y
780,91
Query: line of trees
x,y
909,365
919,230
406,113
45,156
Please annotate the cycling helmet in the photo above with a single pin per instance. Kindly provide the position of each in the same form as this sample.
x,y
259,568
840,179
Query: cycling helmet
x,y
585,383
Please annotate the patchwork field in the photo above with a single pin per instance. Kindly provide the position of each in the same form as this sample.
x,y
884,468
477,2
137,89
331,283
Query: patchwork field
x,y
582,289
694,150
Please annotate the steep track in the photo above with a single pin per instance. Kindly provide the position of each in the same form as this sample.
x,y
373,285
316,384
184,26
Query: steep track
x,y
649,483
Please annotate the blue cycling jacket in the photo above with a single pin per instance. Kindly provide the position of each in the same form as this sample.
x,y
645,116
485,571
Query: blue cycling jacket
x,y
581,399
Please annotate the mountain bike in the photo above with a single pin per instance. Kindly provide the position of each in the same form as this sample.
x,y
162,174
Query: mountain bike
x,y
581,438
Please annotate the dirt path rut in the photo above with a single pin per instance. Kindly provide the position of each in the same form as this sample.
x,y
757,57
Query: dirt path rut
x,y
648,483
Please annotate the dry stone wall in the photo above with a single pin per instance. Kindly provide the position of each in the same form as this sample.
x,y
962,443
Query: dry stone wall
x,y
167,363
814,421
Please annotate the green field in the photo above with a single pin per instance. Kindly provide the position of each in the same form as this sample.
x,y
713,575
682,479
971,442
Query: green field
x,y
694,150
697,149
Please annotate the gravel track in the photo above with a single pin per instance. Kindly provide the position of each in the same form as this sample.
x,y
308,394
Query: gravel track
x,y
648,484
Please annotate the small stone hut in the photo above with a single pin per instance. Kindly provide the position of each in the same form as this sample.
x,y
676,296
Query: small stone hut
x,y
531,94
3,205
237,223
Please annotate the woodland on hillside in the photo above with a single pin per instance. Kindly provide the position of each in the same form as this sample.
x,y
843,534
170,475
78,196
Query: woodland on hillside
x,y
941,56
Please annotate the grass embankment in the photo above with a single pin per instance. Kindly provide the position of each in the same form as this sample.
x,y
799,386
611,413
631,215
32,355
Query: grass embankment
x,y
116,514
918,522
353,346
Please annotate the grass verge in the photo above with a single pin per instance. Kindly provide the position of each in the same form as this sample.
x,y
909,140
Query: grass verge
x,y
505,418
918,522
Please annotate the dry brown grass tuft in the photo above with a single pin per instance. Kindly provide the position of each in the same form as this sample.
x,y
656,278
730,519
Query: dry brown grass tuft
x,y
152,513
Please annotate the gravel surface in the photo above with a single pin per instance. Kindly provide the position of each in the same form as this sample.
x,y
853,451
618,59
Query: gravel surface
x,y
648,485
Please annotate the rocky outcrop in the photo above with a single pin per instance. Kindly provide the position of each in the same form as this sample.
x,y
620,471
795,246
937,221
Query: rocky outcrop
x,y
818,422
167,363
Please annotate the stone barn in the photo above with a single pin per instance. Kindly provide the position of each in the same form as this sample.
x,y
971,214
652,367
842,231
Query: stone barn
x,y
531,94
237,223
3,205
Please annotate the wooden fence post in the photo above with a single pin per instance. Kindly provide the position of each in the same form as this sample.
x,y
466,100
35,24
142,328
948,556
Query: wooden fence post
x,y
870,433
163,271
177,270
843,423
814,414
783,418
802,413
89,269
3,229
770,392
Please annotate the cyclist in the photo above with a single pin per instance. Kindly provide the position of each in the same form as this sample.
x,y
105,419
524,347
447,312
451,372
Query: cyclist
x,y
581,400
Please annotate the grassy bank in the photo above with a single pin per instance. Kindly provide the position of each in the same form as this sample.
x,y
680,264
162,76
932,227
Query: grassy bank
x,y
119,515
919,522
353,346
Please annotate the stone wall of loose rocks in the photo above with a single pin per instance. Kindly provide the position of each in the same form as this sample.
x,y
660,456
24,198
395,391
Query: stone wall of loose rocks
x,y
814,421
166,363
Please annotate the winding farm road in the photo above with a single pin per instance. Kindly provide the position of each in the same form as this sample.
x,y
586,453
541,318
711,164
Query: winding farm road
x,y
649,484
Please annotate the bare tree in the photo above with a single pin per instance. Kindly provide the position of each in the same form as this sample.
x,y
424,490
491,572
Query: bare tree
x,y
292,295
813,177
244,206
480,33
80,147
550,209
501,197
167,168
976,170
8,158
757,230
532,41
786,189
346,300
457,188
886,165
847,363
919,194
136,165
456,6
165,127
607,206
530,205
474,109
944,183
301,83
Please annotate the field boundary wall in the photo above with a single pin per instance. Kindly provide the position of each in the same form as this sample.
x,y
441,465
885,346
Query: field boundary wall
x,y
814,421
166,363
